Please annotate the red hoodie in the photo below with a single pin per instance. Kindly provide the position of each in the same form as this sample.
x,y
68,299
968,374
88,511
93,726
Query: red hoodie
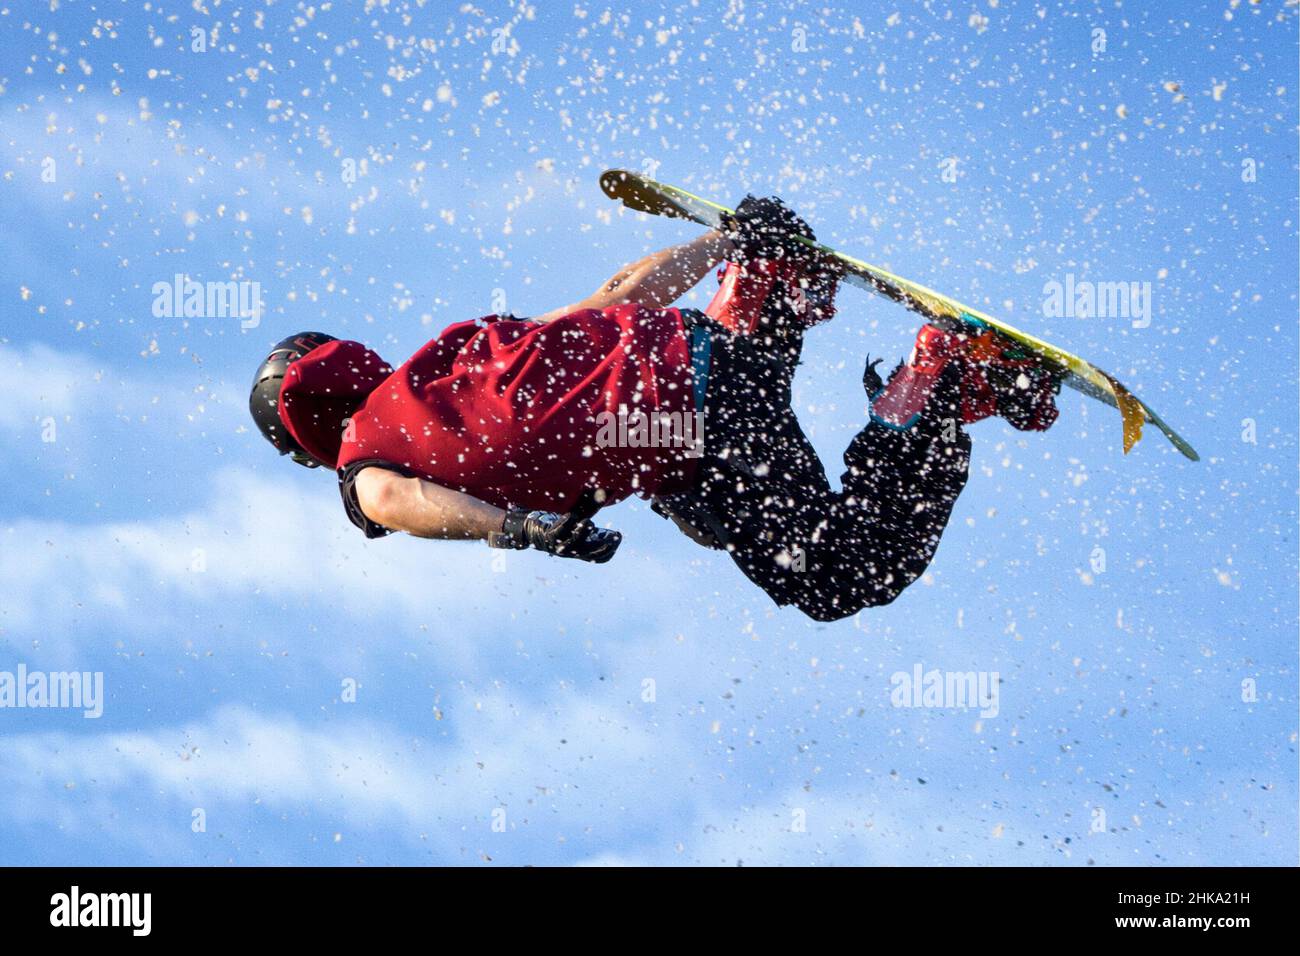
x,y
507,410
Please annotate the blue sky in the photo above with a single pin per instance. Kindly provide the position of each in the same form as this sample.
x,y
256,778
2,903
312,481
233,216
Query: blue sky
x,y
226,598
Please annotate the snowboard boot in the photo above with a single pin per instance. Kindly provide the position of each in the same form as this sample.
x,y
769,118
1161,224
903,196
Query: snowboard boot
x,y
773,296
995,378
773,302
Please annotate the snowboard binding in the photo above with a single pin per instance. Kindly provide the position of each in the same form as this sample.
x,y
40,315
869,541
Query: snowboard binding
x,y
993,376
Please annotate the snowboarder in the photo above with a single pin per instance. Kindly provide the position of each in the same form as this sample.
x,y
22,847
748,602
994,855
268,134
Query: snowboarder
x,y
518,431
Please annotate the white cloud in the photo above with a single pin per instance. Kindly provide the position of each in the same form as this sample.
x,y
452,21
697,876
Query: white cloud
x,y
626,784
86,398
260,540
369,774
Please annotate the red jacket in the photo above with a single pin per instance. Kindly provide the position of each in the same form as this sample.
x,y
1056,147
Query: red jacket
x,y
515,413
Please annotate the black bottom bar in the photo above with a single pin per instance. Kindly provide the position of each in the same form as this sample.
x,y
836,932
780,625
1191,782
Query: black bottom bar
x,y
334,906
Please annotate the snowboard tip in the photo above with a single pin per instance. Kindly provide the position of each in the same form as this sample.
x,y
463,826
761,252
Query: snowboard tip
x,y
611,180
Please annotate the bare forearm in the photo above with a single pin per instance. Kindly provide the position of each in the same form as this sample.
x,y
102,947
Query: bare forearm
x,y
428,510
424,509
657,280
662,277
442,513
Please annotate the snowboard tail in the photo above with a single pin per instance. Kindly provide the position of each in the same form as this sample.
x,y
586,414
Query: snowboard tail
x,y
645,195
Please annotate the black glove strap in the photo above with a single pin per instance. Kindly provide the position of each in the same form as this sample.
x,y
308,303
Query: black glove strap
x,y
511,536
566,536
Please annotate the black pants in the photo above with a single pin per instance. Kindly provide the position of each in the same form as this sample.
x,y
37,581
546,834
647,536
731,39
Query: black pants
x,y
761,492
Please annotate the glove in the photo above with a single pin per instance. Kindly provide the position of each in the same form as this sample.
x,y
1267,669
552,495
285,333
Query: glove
x,y
570,535
765,229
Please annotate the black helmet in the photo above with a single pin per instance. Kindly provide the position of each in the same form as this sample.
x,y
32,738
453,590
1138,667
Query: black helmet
x,y
264,401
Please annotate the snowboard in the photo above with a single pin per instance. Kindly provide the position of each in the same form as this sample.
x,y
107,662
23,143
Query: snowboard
x,y
645,195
